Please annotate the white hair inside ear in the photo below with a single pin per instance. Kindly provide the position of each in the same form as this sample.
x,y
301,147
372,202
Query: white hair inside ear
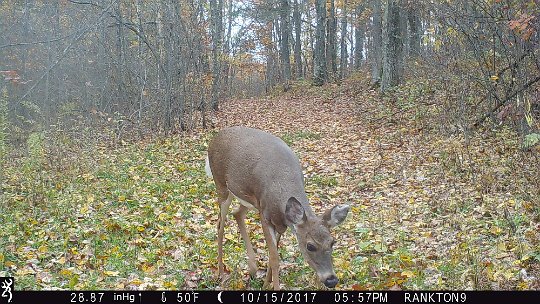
x,y
337,215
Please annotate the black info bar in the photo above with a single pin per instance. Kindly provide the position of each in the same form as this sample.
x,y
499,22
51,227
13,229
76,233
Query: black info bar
x,y
9,294
240,297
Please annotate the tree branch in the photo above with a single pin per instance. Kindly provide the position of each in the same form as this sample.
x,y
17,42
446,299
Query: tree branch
x,y
505,101
65,51
35,42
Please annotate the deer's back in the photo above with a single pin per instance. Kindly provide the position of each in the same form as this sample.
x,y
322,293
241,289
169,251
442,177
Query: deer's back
x,y
256,166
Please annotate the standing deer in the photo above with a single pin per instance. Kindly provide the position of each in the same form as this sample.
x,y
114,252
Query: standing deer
x,y
263,173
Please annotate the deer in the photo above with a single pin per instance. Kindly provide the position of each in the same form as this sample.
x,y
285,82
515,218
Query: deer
x,y
264,174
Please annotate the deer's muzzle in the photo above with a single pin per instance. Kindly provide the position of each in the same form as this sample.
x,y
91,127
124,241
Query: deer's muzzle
x,y
331,281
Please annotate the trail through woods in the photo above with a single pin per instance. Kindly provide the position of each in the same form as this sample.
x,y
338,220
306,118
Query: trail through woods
x,y
430,208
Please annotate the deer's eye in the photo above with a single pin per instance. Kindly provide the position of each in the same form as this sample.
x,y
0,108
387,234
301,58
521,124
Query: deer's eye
x,y
311,247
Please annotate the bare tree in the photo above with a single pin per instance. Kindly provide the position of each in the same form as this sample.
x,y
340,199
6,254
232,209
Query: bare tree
x,y
284,13
331,40
161,65
414,25
343,42
320,73
392,45
376,47
298,42
359,32
216,16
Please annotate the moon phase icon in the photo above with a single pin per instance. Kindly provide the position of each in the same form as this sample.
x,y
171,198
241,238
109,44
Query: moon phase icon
x,y
219,297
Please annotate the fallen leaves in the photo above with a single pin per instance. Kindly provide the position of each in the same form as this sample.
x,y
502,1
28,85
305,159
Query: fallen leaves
x,y
111,273
427,211
410,190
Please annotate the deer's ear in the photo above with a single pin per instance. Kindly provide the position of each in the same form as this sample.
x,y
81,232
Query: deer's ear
x,y
294,212
335,216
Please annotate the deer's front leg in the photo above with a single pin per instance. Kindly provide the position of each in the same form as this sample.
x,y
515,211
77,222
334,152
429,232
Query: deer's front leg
x,y
268,277
272,239
240,216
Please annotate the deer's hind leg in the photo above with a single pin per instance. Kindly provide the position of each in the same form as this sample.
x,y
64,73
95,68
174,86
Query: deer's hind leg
x,y
224,201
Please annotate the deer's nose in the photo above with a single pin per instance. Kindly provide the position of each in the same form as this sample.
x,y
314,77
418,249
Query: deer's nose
x,y
331,281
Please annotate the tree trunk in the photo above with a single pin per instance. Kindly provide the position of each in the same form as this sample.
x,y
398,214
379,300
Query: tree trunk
x,y
141,80
298,42
359,32
25,36
104,65
20,109
216,16
120,94
414,30
331,56
320,44
48,101
169,49
227,48
376,48
343,42
311,37
404,32
392,46
284,13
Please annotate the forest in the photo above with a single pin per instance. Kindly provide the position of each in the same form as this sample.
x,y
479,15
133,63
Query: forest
x,y
422,116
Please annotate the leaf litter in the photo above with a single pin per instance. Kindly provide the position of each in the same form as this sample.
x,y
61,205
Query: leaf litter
x,y
428,210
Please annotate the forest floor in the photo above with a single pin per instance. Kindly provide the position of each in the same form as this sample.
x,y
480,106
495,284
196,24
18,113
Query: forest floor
x,y
429,209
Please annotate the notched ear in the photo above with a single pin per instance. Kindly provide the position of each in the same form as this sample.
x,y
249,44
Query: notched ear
x,y
336,215
294,212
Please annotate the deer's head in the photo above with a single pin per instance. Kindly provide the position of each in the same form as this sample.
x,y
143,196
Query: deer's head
x,y
314,238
